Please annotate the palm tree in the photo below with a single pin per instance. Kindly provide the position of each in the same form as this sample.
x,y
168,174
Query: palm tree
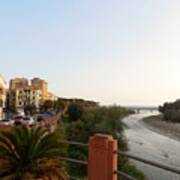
x,y
30,153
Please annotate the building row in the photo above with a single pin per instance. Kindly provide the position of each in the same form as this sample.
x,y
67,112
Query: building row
x,y
22,93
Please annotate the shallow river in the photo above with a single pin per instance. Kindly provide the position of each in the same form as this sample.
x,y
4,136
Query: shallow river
x,y
153,146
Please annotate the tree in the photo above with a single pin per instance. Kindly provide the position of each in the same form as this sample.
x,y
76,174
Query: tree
x,y
105,120
30,109
30,153
47,105
171,111
60,105
10,108
75,111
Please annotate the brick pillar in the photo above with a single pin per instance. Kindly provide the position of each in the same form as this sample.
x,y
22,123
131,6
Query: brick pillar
x,y
102,161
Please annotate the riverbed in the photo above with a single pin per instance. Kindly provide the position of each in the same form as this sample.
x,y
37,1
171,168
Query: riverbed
x,y
146,143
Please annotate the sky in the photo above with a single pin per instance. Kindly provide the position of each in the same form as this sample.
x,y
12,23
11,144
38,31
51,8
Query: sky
x,y
115,52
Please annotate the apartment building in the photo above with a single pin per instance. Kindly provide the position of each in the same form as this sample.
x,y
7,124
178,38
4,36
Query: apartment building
x,y
22,93
41,85
2,95
22,97
18,83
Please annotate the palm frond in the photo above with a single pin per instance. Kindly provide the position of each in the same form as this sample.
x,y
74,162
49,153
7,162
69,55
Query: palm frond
x,y
25,152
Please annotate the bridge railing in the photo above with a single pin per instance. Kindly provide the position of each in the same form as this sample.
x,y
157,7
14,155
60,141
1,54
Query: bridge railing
x,y
102,163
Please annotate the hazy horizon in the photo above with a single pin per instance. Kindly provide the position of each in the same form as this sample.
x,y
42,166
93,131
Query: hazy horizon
x,y
113,52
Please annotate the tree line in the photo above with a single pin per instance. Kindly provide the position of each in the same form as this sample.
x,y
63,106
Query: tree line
x,y
171,111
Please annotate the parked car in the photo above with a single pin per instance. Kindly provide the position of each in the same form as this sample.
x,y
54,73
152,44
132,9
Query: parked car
x,y
17,120
28,120
7,121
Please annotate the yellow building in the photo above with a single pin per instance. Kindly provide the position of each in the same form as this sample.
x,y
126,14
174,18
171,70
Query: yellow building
x,y
18,83
22,97
2,95
21,93
52,97
41,85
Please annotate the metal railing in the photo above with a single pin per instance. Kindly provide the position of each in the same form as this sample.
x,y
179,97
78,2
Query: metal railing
x,y
125,154
73,143
73,160
124,175
151,163
70,160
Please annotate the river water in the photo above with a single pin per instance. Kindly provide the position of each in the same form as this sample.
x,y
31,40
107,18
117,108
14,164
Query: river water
x,y
150,145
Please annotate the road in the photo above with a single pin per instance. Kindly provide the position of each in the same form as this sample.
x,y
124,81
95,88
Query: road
x,y
153,146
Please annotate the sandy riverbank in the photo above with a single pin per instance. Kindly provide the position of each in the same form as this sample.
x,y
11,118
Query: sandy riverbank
x,y
156,124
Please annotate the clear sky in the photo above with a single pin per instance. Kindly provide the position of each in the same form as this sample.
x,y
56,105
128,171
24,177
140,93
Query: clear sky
x,y
113,51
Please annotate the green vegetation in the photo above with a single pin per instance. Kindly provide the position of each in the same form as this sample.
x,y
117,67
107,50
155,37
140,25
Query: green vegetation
x,y
27,153
75,111
132,171
30,153
171,111
30,109
47,106
82,122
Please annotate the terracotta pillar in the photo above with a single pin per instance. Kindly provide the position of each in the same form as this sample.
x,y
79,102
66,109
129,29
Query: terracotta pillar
x,y
102,161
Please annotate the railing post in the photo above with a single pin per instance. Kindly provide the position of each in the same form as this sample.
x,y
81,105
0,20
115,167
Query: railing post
x,y
102,159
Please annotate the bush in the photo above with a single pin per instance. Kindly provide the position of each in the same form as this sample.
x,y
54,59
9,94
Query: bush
x,y
105,120
172,115
132,171
171,111
75,111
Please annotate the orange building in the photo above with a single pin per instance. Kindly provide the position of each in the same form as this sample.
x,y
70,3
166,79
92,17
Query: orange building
x,y
22,93
41,85
18,83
